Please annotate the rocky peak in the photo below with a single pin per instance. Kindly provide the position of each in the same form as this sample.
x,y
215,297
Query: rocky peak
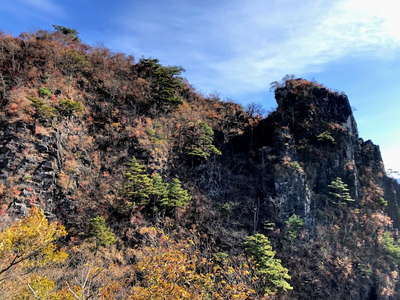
x,y
308,105
310,140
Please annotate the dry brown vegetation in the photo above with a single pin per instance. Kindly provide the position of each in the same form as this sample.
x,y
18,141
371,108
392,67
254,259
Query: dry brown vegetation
x,y
73,116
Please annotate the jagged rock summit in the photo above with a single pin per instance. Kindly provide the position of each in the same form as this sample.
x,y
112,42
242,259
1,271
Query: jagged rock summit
x,y
311,139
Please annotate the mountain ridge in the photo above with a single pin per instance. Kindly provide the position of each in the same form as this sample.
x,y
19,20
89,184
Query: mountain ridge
x,y
87,133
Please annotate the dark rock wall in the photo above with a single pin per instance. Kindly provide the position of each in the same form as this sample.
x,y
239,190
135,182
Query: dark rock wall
x,y
28,168
311,139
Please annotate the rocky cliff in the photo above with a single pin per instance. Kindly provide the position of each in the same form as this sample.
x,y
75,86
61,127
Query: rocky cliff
x,y
73,116
314,140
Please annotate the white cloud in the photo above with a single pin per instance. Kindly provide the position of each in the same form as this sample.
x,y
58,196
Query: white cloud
x,y
323,34
237,47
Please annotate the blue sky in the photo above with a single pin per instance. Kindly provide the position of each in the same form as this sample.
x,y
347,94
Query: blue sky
x,y
236,48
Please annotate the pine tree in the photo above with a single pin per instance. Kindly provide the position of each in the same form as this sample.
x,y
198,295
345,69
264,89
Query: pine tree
x,y
165,83
72,33
391,246
153,191
293,226
159,191
139,185
100,231
272,276
177,196
340,192
201,142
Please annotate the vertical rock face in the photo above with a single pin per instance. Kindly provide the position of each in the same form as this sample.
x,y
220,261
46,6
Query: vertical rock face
x,y
28,168
62,169
311,139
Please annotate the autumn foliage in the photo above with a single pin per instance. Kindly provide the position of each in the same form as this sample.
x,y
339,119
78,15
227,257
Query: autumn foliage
x,y
163,268
170,194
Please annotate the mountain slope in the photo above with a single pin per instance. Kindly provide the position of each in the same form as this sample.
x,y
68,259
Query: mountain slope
x,y
86,133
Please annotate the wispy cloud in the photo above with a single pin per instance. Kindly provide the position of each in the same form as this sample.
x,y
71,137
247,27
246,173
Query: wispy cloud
x,y
45,6
391,157
238,47
323,35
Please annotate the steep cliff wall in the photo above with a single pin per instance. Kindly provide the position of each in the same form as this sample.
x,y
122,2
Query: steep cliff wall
x,y
289,159
284,166
314,139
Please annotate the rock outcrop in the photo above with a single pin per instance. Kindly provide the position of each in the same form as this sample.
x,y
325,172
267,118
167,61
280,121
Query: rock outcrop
x,y
311,139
